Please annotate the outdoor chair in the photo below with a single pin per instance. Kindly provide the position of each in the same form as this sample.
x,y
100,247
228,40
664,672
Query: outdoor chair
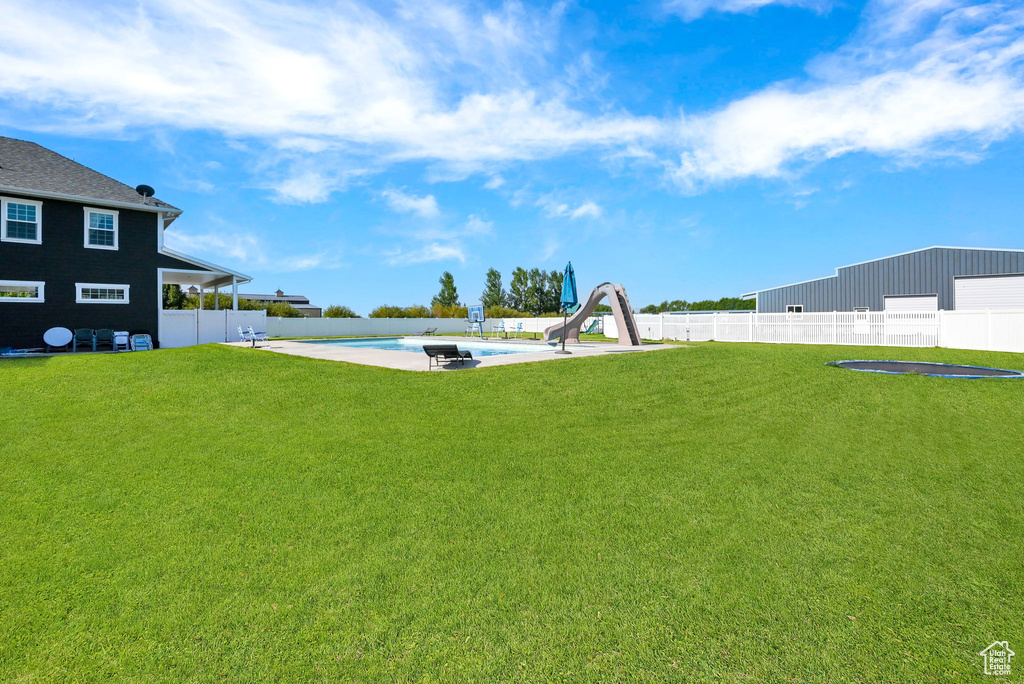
x,y
83,336
105,336
518,330
428,331
498,329
122,341
445,352
473,329
243,335
142,342
258,337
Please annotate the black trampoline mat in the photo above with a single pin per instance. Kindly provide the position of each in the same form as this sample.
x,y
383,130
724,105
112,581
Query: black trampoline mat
x,y
924,368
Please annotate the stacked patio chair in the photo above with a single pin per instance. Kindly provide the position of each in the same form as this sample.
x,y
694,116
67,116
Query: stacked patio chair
x,y
142,342
104,336
83,336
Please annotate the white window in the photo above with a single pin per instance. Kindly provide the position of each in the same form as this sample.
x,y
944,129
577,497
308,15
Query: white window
x,y
21,291
101,293
794,308
21,220
100,228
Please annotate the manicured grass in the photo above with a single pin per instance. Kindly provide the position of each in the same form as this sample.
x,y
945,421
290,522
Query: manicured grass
x,y
724,512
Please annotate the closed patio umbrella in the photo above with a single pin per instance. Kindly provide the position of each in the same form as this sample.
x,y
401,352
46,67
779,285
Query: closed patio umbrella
x,y
570,300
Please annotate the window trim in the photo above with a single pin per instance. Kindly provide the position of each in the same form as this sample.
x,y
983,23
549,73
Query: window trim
x,y
80,286
97,210
38,299
4,201
792,308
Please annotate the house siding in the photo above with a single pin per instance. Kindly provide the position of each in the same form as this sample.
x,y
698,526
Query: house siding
x,y
929,271
62,260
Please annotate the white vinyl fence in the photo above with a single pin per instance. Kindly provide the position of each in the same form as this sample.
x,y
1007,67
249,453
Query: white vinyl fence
x,y
327,327
189,327
983,330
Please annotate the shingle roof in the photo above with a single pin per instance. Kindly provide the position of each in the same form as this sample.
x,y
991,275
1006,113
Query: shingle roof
x,y
32,167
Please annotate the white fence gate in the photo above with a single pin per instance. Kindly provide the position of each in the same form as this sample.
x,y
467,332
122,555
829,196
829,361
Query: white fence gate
x,y
189,327
983,330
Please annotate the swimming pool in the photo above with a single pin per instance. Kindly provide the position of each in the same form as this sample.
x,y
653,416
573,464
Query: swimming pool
x,y
415,345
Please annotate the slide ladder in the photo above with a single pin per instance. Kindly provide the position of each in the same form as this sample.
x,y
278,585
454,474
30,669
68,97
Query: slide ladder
x,y
621,310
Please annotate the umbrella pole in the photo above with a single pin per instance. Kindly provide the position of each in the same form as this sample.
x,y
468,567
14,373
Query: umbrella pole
x,y
565,320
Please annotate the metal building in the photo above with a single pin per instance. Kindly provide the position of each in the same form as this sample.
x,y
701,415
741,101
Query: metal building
x,y
924,279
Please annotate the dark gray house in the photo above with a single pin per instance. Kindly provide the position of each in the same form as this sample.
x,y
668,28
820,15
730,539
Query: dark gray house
x,y
925,279
81,250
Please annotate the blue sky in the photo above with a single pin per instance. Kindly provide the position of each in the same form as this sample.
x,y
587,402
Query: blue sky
x,y
688,149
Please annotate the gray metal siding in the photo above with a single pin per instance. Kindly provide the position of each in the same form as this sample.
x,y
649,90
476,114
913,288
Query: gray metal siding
x,y
928,271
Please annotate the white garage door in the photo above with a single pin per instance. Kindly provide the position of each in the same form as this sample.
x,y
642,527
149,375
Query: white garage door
x,y
911,302
989,292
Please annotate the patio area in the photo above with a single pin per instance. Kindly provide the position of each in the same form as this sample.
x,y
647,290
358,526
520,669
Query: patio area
x,y
417,360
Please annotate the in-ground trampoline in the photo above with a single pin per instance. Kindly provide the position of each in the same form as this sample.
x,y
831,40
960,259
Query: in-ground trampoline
x,y
935,370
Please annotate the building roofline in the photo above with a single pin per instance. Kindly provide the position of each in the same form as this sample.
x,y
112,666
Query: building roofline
x,y
751,295
242,278
47,194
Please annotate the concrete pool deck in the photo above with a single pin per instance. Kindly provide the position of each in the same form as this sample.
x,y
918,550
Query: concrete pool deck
x,y
402,360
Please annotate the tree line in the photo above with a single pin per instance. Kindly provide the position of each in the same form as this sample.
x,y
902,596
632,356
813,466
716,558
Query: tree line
x,y
723,304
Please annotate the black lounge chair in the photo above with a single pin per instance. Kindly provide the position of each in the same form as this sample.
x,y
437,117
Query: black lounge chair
x,y
428,331
445,352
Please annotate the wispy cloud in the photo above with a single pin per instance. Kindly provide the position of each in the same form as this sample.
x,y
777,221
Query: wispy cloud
x,y
434,251
245,250
411,204
689,10
468,89
555,209
919,81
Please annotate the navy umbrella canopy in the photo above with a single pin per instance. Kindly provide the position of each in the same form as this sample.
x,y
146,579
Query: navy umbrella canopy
x,y
570,300
569,297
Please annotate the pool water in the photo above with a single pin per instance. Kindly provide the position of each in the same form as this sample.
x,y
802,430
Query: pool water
x,y
415,345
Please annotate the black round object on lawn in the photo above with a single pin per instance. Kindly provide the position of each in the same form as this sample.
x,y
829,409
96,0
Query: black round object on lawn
x,y
935,370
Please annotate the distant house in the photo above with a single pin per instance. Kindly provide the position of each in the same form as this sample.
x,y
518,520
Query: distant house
x,y
960,278
298,301
81,250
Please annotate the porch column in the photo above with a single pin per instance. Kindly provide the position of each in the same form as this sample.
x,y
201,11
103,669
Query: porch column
x,y
216,298
200,297
234,293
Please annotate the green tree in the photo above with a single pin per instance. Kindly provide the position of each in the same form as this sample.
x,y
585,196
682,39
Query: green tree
x,y
339,311
448,296
494,294
553,293
387,311
537,292
283,310
417,311
174,298
518,289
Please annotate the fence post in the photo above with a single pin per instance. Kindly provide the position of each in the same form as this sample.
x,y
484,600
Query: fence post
x,y
835,328
714,326
750,328
988,329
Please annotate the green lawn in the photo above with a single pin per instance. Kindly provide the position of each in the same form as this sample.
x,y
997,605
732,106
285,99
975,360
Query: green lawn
x,y
724,512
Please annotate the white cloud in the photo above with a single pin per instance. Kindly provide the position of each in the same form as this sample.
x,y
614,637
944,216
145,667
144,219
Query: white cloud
x,y
478,226
494,182
951,91
411,204
246,250
313,89
555,209
689,10
434,251
586,210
